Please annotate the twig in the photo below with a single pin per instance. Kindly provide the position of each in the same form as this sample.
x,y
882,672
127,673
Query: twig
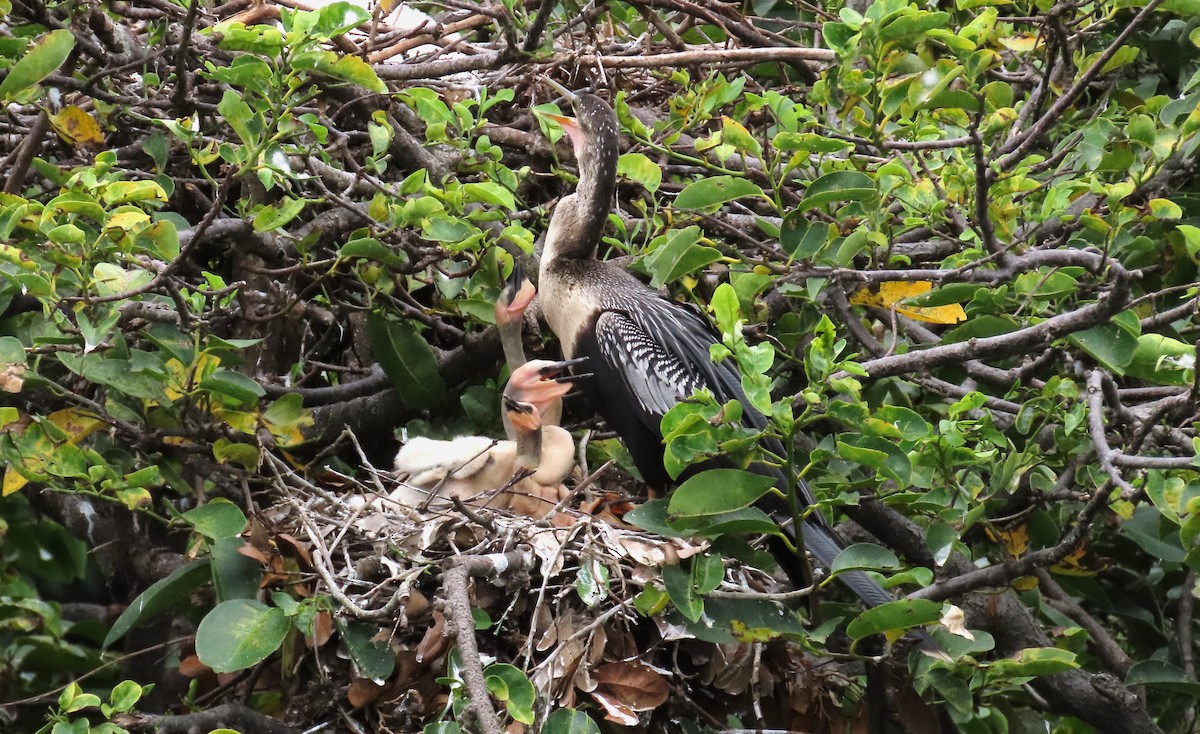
x,y
458,609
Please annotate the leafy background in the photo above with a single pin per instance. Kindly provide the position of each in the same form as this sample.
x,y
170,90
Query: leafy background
x,y
952,246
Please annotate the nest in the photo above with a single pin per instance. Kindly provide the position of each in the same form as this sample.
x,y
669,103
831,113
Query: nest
x,y
560,599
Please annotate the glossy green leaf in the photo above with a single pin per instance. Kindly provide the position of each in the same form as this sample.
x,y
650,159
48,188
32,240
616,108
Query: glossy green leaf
x,y
638,167
509,684
159,596
716,491
864,557
678,584
1109,344
895,616
1035,661
235,576
711,192
680,255
1164,675
373,657
837,187
40,61
569,721
218,518
239,633
239,388
408,361
275,216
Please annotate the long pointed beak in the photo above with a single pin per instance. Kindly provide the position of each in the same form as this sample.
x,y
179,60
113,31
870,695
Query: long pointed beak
x,y
566,93
558,371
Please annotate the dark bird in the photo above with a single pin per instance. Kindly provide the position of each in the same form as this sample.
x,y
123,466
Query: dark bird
x,y
647,352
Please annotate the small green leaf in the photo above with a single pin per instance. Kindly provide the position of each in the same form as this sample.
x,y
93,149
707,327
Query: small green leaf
x,y
509,684
711,192
718,491
569,721
42,60
1109,344
239,116
1163,675
864,556
239,633
678,584
638,167
895,616
838,186
679,255
218,518
408,361
373,657
241,389
159,596
489,193
274,216
1034,661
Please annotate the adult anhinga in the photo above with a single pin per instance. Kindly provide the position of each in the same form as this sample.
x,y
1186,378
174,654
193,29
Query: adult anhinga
x,y
647,353
524,475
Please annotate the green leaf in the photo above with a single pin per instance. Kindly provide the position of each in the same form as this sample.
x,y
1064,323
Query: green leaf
x,y
638,167
124,192
679,255
711,192
1164,675
241,389
489,193
274,216
373,657
1109,344
569,721
407,360
718,491
509,684
864,556
159,596
838,186
124,695
218,518
801,238
235,576
239,633
42,60
1163,361
1034,661
239,116
678,584
883,456
895,616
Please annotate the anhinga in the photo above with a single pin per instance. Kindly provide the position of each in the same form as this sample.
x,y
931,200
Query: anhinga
x,y
514,299
524,475
647,353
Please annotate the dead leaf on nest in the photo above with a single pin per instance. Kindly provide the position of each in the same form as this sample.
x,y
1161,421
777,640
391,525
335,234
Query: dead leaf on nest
x,y
635,685
434,643
363,692
615,709
322,629
731,668
191,667
548,545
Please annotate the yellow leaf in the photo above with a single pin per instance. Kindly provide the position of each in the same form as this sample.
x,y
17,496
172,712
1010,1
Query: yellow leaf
x,y
76,126
891,293
77,423
12,481
127,219
1080,563
1015,539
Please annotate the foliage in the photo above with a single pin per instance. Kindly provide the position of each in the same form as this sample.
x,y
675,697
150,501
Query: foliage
x,y
952,247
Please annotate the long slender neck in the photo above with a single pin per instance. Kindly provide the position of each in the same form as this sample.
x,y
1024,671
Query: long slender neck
x,y
579,219
529,449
